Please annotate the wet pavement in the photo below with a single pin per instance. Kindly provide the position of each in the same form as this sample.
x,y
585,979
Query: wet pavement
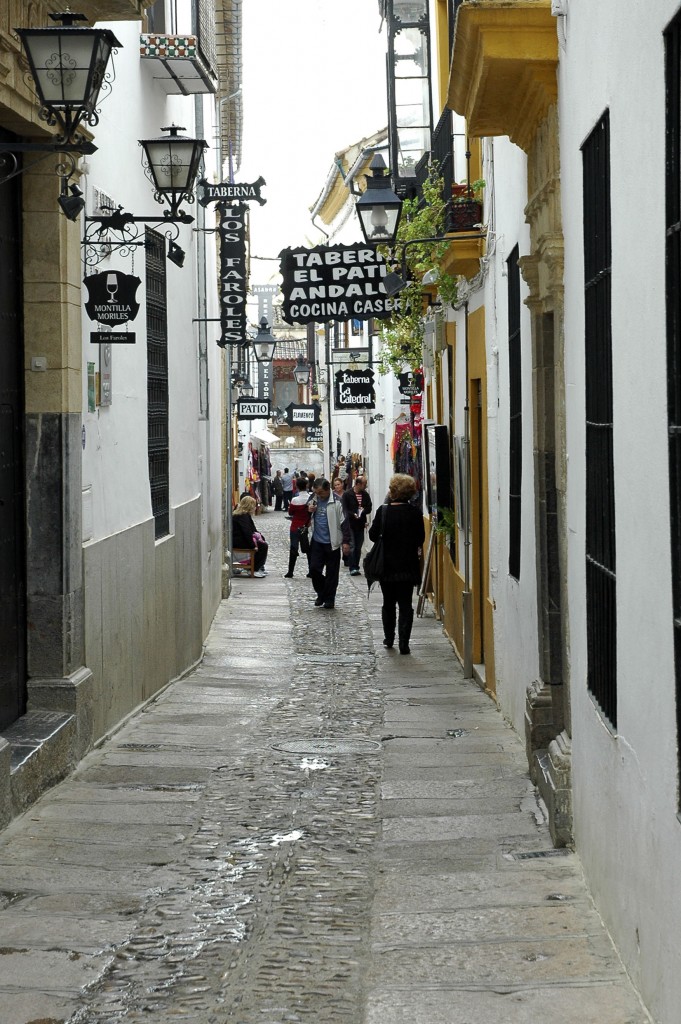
x,y
306,828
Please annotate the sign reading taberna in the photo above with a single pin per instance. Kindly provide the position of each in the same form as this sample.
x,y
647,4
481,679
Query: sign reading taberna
x,y
334,282
355,389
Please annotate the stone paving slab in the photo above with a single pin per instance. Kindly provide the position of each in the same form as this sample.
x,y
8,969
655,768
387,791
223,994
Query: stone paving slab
x,y
608,1003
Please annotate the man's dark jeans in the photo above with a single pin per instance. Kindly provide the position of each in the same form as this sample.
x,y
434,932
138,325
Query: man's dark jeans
x,y
322,556
287,499
356,542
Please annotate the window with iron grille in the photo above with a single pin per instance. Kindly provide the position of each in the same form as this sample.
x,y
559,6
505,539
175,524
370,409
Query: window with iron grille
x,y
157,380
673,295
601,590
203,27
515,415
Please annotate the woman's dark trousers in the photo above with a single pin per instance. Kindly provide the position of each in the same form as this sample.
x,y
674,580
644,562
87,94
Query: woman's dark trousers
x,y
260,555
400,595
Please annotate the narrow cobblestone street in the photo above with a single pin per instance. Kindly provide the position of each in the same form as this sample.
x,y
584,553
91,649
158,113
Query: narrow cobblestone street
x,y
306,828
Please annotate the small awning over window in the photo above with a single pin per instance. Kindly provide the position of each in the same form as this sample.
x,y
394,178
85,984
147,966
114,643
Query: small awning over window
x,y
179,63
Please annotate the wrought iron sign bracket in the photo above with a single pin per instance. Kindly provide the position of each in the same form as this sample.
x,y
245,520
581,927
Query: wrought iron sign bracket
x,y
118,231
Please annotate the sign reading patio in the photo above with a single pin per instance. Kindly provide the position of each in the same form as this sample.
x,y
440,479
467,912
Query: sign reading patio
x,y
253,409
355,389
334,282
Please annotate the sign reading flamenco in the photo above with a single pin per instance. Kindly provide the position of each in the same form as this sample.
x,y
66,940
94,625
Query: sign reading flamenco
x,y
355,389
334,282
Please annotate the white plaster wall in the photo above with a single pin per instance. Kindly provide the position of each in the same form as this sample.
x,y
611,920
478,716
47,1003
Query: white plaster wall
x,y
115,467
625,784
515,616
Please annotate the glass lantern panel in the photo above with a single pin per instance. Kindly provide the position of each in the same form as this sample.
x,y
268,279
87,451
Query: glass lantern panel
x,y
412,143
62,67
412,93
411,53
409,10
171,164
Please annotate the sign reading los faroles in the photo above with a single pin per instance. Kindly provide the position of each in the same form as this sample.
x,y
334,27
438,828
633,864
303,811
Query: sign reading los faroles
x,y
334,282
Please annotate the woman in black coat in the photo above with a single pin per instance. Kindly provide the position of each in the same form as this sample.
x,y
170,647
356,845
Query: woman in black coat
x,y
403,536
245,533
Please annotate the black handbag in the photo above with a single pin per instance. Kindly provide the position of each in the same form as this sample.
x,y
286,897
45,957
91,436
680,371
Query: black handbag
x,y
373,563
304,539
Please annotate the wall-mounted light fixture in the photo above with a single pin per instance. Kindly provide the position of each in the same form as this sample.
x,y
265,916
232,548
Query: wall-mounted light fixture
x,y
264,343
301,371
172,166
68,65
378,207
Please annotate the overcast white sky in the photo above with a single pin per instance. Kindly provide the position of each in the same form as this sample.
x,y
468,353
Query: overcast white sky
x,y
313,83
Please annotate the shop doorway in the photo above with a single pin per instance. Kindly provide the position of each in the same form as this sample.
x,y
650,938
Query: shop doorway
x,y
12,513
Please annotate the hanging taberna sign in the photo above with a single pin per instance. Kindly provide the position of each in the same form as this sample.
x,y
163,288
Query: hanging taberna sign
x,y
355,389
334,282
233,276
111,297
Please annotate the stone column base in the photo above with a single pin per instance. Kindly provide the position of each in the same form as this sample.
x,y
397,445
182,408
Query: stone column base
x,y
553,770
74,695
539,725
5,784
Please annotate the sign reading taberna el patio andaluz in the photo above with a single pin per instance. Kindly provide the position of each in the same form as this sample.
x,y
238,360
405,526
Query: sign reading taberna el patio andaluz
x,y
334,282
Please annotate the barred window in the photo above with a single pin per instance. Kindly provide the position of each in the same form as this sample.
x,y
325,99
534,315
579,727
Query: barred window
x,y
601,590
157,381
515,416
673,297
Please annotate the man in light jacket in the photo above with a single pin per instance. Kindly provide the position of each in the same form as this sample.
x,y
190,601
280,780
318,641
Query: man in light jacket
x,y
287,485
330,533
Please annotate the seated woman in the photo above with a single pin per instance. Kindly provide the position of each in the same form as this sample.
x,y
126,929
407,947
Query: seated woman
x,y
246,535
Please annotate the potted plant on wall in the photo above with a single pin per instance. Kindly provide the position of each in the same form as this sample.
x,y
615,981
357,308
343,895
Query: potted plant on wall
x,y
465,209
423,217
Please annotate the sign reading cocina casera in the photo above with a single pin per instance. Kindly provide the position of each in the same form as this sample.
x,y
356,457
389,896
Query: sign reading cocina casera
x,y
111,297
334,282
355,389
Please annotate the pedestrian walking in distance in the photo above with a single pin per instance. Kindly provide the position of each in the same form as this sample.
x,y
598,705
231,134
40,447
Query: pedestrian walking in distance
x,y
246,535
357,506
300,517
403,537
278,488
287,484
330,534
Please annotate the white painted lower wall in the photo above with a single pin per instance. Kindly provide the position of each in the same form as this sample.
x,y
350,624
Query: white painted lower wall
x,y
143,613
625,780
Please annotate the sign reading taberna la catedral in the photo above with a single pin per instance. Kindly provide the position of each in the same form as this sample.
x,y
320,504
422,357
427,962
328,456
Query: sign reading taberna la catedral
x,y
355,389
334,282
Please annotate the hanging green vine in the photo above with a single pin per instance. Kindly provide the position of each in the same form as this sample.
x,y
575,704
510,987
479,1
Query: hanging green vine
x,y
423,217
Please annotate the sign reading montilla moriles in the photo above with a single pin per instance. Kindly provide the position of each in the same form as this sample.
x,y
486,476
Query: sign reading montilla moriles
x,y
111,297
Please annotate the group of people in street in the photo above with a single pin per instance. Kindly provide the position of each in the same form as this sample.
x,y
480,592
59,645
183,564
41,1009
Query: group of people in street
x,y
328,522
